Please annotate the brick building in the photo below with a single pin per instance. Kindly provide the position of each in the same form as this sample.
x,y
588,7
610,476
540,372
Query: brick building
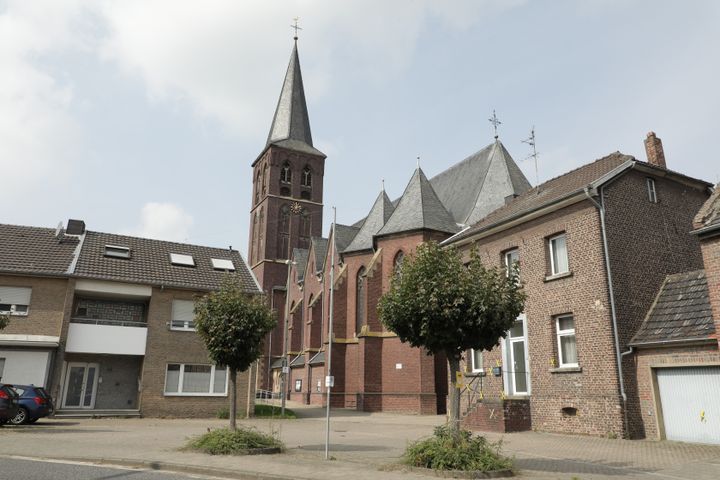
x,y
677,361
593,247
105,322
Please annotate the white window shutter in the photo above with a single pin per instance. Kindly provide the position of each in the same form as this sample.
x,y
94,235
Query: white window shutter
x,y
183,310
15,295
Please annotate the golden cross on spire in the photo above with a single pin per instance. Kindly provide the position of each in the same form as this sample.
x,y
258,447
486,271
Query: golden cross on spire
x,y
296,27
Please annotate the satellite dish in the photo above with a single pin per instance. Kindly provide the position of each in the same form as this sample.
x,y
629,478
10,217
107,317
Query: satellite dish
x,y
58,229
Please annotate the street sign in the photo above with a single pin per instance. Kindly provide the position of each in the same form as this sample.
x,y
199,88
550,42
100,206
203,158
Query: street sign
x,y
329,381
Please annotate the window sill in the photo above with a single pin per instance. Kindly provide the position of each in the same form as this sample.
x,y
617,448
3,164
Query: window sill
x,y
558,276
195,394
183,330
566,370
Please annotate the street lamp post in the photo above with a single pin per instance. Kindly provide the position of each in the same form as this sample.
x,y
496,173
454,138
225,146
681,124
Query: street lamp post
x,y
285,366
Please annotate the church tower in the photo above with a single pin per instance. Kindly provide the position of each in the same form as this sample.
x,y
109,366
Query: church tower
x,y
286,203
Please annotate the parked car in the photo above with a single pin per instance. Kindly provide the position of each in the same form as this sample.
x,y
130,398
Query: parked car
x,y
9,403
34,403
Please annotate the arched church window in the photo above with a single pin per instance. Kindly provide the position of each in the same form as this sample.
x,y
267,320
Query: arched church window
x,y
360,300
253,250
261,227
286,173
305,228
264,179
284,232
307,177
397,262
257,188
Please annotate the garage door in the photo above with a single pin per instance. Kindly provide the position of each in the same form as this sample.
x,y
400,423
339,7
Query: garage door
x,y
24,367
690,401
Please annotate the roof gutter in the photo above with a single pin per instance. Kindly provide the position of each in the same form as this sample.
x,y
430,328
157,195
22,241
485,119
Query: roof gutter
x,y
590,193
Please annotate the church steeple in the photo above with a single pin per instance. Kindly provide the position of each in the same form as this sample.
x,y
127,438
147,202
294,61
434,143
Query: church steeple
x,y
291,124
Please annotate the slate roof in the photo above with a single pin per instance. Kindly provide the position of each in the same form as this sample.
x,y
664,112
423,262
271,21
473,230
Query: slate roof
x,y
344,235
298,361
549,192
35,250
380,212
708,217
681,312
300,256
419,209
320,247
149,263
291,124
479,184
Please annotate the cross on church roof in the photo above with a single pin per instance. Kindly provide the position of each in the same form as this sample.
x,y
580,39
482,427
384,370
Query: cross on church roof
x,y
296,27
495,122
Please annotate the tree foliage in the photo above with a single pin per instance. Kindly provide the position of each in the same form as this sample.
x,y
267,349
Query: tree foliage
x,y
233,324
4,320
437,303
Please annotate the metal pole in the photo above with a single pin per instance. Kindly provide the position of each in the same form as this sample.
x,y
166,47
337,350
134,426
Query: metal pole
x,y
283,374
328,360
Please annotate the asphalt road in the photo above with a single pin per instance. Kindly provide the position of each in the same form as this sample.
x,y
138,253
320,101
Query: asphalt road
x,y
20,469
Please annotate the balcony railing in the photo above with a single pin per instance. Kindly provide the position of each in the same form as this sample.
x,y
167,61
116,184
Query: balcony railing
x,y
114,323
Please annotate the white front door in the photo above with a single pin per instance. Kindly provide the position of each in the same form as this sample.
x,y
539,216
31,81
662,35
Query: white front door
x,y
516,358
80,385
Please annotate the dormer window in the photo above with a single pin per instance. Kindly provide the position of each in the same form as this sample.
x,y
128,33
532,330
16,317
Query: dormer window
x,y
307,177
286,173
117,251
182,260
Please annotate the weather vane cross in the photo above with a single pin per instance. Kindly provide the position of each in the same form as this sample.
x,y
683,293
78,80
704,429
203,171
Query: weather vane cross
x,y
296,27
495,122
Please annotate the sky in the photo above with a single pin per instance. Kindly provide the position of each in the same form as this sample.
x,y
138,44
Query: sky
x,y
143,117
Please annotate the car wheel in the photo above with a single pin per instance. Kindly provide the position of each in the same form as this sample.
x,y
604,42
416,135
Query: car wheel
x,y
21,417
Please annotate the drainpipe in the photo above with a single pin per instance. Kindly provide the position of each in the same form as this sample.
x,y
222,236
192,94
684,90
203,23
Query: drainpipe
x,y
618,356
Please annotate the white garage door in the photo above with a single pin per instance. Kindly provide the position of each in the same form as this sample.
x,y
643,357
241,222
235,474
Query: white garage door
x,y
690,400
24,367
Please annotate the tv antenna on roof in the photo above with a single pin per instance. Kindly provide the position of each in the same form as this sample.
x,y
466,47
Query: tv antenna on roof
x,y
534,155
58,229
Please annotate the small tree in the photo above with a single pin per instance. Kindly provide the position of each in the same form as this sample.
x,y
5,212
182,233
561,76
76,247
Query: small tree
x,y
233,324
436,303
4,320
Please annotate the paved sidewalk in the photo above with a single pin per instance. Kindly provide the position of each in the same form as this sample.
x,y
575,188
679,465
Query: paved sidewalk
x,y
363,446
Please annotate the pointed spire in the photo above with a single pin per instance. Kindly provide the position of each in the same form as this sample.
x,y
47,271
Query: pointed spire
x,y
419,209
380,212
291,123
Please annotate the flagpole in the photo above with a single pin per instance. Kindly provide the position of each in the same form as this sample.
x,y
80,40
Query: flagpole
x,y
329,378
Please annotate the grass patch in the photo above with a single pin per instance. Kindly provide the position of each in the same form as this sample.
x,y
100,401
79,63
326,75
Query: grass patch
x,y
224,441
443,451
261,411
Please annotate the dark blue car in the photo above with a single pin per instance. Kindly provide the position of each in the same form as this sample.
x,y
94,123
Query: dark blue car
x,y
34,403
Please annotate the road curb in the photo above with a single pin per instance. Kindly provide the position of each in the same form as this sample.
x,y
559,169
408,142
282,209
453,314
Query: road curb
x,y
164,467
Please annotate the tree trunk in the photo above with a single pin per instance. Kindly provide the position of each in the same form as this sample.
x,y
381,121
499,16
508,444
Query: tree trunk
x,y
454,363
233,398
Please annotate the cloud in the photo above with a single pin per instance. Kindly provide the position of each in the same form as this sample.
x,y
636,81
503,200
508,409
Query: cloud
x,y
163,221
222,59
38,137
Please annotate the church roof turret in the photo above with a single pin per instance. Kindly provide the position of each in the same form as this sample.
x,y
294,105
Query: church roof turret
x,y
291,124
419,208
380,212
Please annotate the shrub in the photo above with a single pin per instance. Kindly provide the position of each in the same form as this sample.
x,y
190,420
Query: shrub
x,y
262,411
445,451
225,441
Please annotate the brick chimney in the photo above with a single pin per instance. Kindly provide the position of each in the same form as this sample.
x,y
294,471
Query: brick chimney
x,y
654,150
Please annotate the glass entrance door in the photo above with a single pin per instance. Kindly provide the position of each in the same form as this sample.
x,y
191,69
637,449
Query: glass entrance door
x,y
80,385
517,357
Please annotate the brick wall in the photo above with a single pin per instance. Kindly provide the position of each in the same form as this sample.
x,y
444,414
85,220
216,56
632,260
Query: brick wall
x,y
166,346
592,391
645,418
47,306
497,415
647,242
711,260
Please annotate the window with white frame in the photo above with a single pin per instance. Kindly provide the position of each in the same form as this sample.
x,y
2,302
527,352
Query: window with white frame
x,y
652,193
195,380
476,360
512,260
558,254
15,300
183,315
567,349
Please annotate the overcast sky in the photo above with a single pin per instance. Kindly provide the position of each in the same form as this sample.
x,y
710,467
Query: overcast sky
x,y
143,116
